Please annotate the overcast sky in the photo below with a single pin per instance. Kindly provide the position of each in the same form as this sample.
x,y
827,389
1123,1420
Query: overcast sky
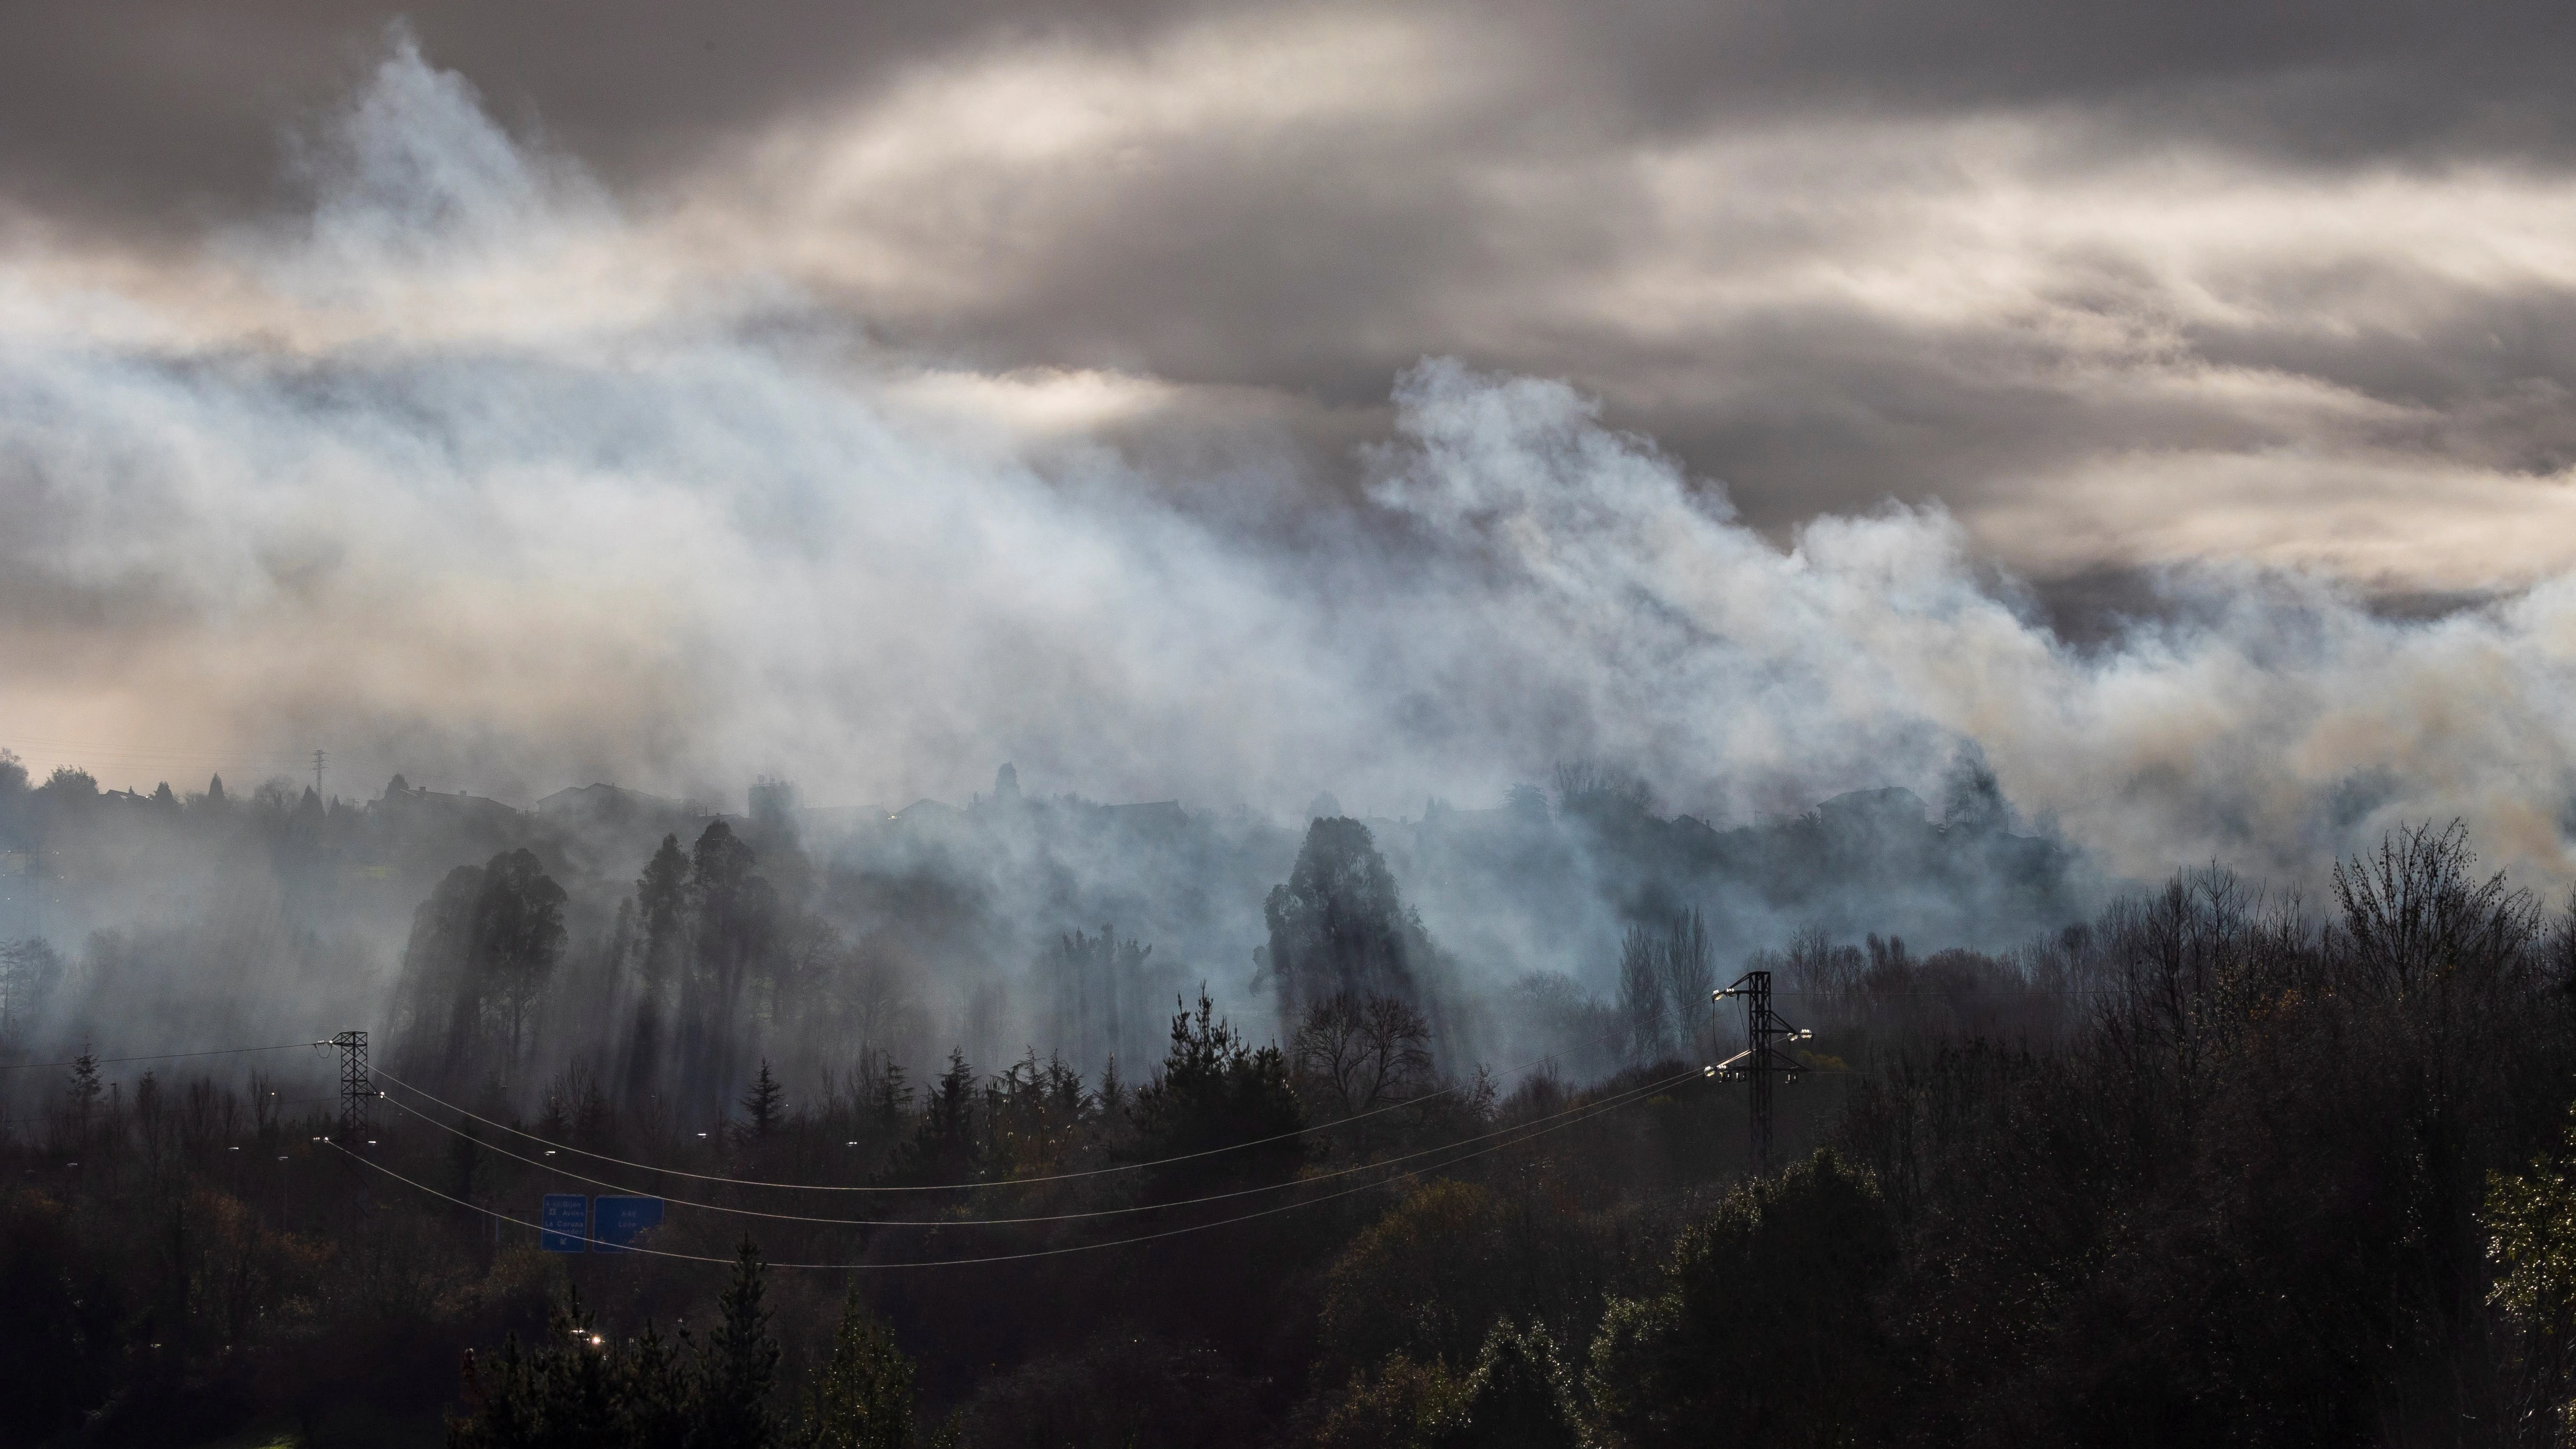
x,y
2291,282
368,376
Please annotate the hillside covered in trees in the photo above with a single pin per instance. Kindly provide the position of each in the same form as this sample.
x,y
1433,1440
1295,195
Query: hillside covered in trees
x,y
1043,1123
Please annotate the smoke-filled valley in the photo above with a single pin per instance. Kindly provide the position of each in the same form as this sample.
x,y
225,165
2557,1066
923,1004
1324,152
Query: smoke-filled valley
x,y
1017,923
1092,909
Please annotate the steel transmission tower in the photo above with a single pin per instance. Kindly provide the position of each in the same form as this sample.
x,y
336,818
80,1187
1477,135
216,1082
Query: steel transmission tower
x,y
357,1090
1762,1059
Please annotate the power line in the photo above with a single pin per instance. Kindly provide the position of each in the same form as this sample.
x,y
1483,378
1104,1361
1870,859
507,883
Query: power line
x,y
161,1057
384,1075
996,1257
1620,1100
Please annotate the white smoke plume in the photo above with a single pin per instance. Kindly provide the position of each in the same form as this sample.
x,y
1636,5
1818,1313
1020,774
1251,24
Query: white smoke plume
x,y
467,475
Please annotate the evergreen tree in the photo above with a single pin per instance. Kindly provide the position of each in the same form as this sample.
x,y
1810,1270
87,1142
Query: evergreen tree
x,y
577,1389
85,1087
944,1146
1337,926
660,1401
502,1408
661,904
445,1010
583,1392
863,1399
734,930
661,899
518,938
739,1365
764,1104
889,1096
1217,1091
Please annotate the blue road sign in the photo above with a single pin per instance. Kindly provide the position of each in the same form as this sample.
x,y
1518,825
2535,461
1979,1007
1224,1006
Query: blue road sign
x,y
565,1227
622,1218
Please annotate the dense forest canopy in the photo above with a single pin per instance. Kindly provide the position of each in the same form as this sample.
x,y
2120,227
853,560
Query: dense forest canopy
x,y
1042,1122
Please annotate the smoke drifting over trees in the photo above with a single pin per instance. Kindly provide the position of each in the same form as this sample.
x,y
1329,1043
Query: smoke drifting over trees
x,y
625,941
438,503
1403,1097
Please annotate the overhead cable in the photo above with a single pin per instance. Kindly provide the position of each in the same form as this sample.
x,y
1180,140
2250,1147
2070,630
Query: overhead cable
x,y
1339,1122
991,1257
162,1056
1520,1128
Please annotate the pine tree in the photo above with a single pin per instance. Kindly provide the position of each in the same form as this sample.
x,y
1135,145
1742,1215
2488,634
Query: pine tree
x,y
739,1366
1113,1092
661,910
84,1090
659,1398
764,1104
1216,1092
582,1388
889,1095
944,1147
863,1399
503,1407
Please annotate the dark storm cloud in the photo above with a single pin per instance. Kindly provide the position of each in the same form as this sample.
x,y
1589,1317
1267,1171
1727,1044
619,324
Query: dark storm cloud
x,y
165,111
2318,80
162,114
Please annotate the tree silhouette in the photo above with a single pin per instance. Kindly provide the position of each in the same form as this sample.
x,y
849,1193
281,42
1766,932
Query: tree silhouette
x,y
863,1398
1354,1056
944,1146
1337,925
518,937
739,1365
764,1105
1216,1091
661,906
1776,1287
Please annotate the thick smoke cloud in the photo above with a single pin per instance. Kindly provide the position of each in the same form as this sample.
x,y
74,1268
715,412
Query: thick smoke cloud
x,y
2275,282
466,476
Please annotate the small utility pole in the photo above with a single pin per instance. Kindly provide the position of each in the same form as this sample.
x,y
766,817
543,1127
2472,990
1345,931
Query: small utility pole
x,y
1761,1058
357,1090
317,772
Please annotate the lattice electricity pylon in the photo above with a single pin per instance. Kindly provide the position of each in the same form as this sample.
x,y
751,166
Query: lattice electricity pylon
x,y
1761,1059
357,1090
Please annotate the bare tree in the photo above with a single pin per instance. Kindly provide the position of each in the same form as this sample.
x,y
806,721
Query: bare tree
x,y
2415,915
1690,974
1361,1054
1644,1002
